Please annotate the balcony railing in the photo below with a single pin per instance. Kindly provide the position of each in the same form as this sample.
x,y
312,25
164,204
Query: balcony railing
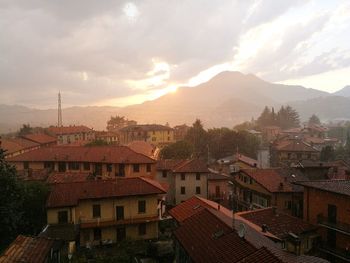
x,y
104,222
335,252
337,226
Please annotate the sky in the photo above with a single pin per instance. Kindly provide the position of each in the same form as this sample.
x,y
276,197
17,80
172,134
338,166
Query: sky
x,y
120,53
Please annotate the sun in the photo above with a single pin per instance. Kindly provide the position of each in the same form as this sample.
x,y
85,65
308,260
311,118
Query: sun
x,y
131,10
172,89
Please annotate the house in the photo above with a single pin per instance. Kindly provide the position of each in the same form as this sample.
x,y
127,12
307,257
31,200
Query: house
x,y
232,164
156,134
180,132
107,211
261,188
288,151
32,250
16,146
185,178
270,133
103,161
218,189
207,232
145,148
327,204
41,138
72,134
107,136
291,233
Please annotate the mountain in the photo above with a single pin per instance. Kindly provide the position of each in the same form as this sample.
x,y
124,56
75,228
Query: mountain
x,y
345,92
225,100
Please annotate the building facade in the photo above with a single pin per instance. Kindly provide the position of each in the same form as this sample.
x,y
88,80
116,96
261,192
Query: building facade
x,y
72,134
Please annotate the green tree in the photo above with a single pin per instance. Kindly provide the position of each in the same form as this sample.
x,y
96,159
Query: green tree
x,y
198,137
118,122
327,154
265,117
287,117
178,150
314,120
25,129
11,200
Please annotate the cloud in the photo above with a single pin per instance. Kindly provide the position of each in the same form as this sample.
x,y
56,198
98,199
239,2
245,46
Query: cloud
x,y
107,50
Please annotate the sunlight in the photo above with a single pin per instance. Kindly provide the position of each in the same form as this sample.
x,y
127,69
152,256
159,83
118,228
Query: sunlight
x,y
131,10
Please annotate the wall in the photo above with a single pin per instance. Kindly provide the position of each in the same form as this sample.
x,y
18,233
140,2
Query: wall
x,y
190,183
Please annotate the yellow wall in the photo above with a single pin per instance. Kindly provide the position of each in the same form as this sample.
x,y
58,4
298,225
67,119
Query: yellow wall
x,y
190,183
160,137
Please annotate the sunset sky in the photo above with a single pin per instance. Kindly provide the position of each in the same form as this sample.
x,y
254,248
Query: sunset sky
x,y
122,52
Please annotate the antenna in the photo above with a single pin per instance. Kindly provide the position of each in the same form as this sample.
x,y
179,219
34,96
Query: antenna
x,y
59,119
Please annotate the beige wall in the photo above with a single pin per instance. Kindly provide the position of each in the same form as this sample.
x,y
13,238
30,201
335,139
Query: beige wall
x,y
190,183
170,181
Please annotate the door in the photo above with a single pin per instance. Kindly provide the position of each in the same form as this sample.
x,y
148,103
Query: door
x,y
119,212
98,169
331,238
121,169
61,167
332,214
121,233
217,191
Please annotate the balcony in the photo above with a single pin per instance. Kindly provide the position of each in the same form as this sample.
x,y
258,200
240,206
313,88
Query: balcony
x,y
338,226
335,252
106,222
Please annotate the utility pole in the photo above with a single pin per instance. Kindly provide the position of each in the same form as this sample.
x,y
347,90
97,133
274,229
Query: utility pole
x,y
59,119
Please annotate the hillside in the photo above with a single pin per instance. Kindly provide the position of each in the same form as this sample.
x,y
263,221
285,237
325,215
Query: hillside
x,y
225,100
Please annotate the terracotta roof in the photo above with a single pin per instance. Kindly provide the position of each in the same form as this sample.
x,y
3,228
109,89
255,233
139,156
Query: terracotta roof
x,y
102,154
261,255
278,224
194,204
68,129
207,239
28,249
314,140
33,175
17,144
144,148
247,160
275,180
318,128
191,166
292,145
146,127
66,177
168,164
40,138
69,194
334,186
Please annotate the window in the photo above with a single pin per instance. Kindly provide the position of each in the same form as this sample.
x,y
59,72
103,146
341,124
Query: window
x,y
148,168
198,190
198,176
142,229
288,204
153,132
168,138
142,206
49,165
62,217
250,181
97,234
109,167
183,177
87,166
119,212
183,190
26,165
154,139
73,166
96,211
245,179
164,174
136,168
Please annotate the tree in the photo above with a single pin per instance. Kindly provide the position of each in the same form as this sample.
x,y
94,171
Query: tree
x,y
178,150
314,120
25,129
118,122
287,117
347,145
11,200
198,137
265,117
327,154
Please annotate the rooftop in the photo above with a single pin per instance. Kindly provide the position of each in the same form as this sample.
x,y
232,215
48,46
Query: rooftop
x,y
191,166
40,138
277,223
27,249
17,144
68,129
144,148
276,180
335,186
293,145
103,154
69,194
146,127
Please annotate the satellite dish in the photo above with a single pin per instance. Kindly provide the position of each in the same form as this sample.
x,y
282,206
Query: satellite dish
x,y
241,230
